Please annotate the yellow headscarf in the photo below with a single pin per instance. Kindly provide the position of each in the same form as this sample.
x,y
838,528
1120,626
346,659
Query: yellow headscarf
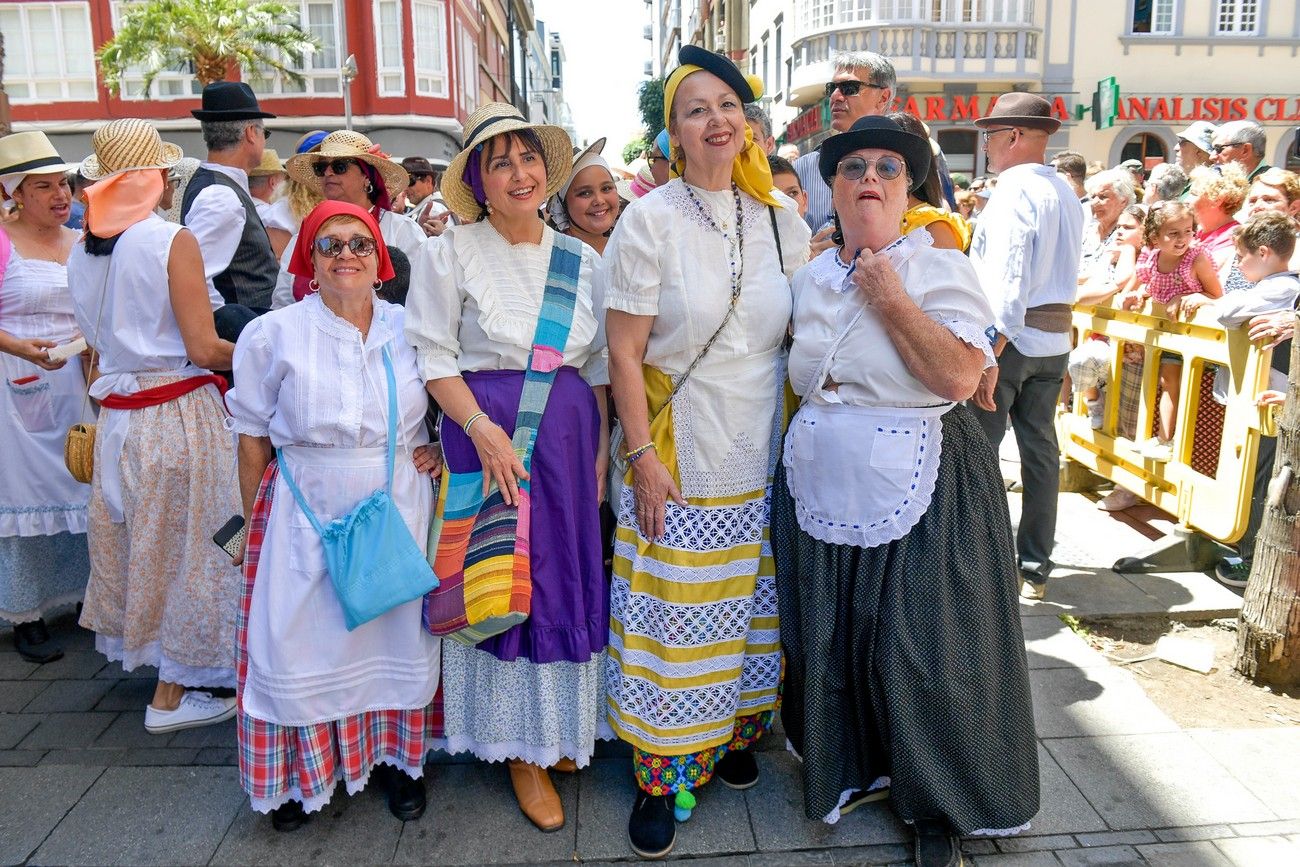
x,y
750,171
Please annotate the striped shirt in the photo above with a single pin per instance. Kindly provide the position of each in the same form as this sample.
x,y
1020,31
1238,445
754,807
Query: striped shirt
x,y
819,194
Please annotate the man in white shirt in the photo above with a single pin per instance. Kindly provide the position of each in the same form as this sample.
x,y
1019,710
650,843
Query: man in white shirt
x,y
238,261
1026,252
425,204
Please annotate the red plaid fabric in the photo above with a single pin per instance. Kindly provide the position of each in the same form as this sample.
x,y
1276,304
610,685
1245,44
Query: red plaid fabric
x,y
281,763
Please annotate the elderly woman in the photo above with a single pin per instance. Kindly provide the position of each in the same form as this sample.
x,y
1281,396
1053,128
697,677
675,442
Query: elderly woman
x,y
905,664
1216,195
699,302
43,559
329,388
587,206
348,167
1110,192
926,207
506,318
160,593
1277,190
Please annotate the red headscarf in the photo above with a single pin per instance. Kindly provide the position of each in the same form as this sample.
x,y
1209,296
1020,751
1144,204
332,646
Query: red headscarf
x,y
300,264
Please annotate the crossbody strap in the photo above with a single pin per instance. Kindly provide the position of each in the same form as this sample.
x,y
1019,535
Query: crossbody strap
x,y
392,448
554,322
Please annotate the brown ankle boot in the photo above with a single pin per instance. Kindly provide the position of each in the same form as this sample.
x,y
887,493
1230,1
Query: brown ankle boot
x,y
537,797
565,766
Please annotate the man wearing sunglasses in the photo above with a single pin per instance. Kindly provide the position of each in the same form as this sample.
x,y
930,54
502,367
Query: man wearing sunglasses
x,y
238,260
1241,142
1026,251
863,84
424,202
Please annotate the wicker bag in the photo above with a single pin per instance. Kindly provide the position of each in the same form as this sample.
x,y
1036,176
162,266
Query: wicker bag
x,y
79,452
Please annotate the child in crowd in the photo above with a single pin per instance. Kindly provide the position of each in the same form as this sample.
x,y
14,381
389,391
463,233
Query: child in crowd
x,y
786,180
1172,267
1090,361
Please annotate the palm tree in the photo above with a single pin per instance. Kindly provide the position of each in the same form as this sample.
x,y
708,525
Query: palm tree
x,y
214,35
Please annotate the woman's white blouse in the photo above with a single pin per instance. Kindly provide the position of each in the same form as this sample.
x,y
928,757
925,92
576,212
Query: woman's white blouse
x,y
475,299
304,376
667,261
867,365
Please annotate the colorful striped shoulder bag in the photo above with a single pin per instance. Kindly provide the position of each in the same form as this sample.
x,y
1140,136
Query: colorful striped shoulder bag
x,y
479,546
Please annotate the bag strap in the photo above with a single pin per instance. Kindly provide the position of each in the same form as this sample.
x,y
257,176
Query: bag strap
x,y
94,346
392,449
551,336
776,233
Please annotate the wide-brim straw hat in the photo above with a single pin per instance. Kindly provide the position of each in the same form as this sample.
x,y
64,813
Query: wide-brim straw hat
x,y
491,120
348,144
30,153
128,144
271,165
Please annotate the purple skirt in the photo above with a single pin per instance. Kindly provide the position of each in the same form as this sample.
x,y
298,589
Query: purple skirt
x,y
569,621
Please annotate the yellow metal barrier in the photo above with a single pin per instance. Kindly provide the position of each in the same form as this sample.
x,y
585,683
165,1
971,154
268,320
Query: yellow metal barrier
x,y
1212,497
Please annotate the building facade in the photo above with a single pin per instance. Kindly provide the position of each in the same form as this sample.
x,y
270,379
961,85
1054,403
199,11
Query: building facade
x,y
422,67
1174,61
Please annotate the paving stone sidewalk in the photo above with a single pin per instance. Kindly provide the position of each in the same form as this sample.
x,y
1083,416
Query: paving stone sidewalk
x,y
81,782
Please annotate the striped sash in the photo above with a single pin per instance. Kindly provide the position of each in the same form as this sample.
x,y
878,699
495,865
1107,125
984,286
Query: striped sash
x,y
479,546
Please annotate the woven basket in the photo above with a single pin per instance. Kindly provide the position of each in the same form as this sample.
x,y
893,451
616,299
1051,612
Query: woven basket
x,y
79,452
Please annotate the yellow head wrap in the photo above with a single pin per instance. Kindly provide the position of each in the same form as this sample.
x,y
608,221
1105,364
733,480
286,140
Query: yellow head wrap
x,y
750,171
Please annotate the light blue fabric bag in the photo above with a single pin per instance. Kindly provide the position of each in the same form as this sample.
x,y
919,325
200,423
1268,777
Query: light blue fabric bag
x,y
373,562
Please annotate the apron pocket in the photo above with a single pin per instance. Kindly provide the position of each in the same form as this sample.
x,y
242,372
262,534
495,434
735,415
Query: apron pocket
x,y
305,551
894,448
32,404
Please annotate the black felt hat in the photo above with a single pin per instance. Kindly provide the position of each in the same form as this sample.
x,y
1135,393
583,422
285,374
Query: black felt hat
x,y
874,131
723,68
229,100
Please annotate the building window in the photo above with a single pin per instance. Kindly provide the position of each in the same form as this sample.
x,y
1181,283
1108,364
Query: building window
x,y
1237,17
1153,16
388,48
767,81
468,70
777,55
429,25
982,11
1144,146
320,70
959,149
49,55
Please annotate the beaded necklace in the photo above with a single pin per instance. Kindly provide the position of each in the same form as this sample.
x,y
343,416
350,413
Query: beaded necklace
x,y
736,257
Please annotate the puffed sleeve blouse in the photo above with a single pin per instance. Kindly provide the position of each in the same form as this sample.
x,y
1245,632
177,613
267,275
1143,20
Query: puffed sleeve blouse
x,y
475,299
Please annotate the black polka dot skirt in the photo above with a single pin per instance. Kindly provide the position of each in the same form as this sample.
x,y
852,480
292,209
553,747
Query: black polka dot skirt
x,y
907,660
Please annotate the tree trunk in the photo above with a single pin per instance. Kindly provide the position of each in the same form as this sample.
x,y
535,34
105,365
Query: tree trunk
x,y
1268,638
208,69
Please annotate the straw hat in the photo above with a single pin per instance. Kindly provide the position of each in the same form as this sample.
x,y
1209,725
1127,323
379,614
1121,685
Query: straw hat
x,y
348,144
270,165
491,120
30,153
125,145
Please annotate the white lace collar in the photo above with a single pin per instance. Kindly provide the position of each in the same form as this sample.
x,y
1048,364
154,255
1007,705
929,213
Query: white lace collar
x,y
829,271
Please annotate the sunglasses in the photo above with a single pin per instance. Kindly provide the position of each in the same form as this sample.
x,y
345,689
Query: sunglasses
x,y
338,167
887,168
1214,149
989,133
332,248
850,88
415,179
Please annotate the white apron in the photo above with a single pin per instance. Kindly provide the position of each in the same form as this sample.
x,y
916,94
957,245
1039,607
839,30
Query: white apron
x,y
304,666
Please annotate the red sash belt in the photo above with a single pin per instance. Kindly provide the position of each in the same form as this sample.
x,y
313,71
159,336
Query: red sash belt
x,y
163,393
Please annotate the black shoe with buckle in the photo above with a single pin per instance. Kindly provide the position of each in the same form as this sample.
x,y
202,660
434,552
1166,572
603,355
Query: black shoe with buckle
x,y
652,828
737,769
34,644
936,845
289,816
406,798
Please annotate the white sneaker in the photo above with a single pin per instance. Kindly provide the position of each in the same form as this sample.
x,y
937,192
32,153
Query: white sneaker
x,y
1096,412
196,709
1161,451
1118,500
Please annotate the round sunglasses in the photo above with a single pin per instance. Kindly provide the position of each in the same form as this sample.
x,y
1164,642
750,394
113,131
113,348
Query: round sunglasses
x,y
338,167
332,248
887,168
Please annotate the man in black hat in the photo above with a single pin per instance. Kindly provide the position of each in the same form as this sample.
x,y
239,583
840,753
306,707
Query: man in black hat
x,y
237,257
1026,251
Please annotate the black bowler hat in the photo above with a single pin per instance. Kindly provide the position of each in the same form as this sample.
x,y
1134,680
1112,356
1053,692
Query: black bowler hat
x,y
229,100
723,68
874,131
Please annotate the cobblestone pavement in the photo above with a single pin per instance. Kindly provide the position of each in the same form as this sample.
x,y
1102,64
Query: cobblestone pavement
x,y
81,782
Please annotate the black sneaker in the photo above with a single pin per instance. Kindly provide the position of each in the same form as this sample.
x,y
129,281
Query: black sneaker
x,y
33,642
406,798
1232,571
936,845
289,816
652,830
737,769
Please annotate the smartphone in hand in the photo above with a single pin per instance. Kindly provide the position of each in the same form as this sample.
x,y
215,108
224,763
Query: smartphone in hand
x,y
230,538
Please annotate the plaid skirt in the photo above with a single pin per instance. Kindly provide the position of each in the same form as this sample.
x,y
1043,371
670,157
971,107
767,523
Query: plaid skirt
x,y
278,764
